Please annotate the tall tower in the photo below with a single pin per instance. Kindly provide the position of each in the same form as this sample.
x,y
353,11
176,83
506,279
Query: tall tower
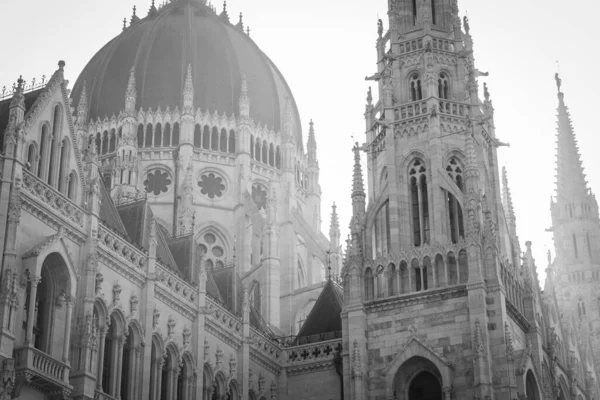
x,y
430,232
576,231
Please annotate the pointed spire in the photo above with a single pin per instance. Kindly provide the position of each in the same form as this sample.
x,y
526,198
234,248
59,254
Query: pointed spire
x,y
570,179
312,143
240,24
18,98
334,226
153,12
244,100
358,188
82,107
508,203
124,23
188,89
131,93
224,15
134,17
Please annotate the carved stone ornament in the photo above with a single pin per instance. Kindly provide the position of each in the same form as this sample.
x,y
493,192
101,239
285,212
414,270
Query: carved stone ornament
x,y
7,379
206,351
133,305
61,299
232,366
155,318
509,343
186,336
356,366
219,358
273,391
261,383
117,294
98,289
14,206
171,328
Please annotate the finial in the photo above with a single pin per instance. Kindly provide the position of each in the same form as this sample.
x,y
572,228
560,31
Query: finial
x,y
225,7
20,83
467,26
558,81
240,24
61,65
369,96
133,16
380,28
134,10
124,23
248,31
486,92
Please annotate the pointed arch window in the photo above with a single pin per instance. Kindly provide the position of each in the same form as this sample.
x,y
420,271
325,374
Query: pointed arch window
x,y
277,158
214,140
433,14
251,146
206,138
175,140
443,86
31,156
158,135
43,151
265,153
416,92
271,155
223,142
369,284
455,214
113,141
420,202
56,124
140,136
63,165
167,135
197,137
232,141
149,134
589,245
98,143
257,149
414,11
72,186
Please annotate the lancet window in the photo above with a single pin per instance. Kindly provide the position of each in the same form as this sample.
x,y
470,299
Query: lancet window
x,y
416,92
414,11
455,214
43,150
443,86
419,202
433,14
197,137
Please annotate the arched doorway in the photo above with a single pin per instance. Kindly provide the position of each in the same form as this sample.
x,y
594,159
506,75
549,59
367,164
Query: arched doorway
x,y
425,386
531,387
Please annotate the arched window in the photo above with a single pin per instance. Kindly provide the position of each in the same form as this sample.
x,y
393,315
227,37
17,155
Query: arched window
x,y
154,363
257,149
277,158
463,266
223,143
419,202
416,92
214,140
392,280
140,136
98,143
232,141
158,135
43,150
63,165
198,137
452,269
206,138
126,366
414,11
379,278
72,186
369,284
265,153
575,246
589,245
164,378
149,134
105,141
167,135
404,278
175,141
113,141
55,138
52,159
31,157
433,16
443,86
271,155
301,279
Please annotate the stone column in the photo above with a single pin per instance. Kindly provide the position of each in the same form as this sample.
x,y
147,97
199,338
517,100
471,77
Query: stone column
x,y
446,270
119,367
100,362
69,304
447,392
34,280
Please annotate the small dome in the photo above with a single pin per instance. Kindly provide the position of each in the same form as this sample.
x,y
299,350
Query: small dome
x,y
161,46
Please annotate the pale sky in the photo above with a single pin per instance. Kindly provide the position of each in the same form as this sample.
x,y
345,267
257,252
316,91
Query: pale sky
x,y
325,48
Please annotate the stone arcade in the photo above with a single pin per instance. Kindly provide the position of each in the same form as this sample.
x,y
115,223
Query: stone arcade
x,y
161,231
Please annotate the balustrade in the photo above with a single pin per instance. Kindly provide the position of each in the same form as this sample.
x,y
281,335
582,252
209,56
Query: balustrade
x,y
41,364
410,110
453,108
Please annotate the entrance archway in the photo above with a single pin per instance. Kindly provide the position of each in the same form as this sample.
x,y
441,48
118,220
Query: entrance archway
x,y
425,386
531,387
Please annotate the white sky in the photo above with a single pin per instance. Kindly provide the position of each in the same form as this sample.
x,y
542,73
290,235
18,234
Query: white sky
x,y
325,48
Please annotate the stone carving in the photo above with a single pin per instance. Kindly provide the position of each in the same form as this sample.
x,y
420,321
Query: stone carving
x,y
155,318
206,351
170,329
261,382
186,336
133,305
14,206
356,364
61,299
273,391
479,345
117,295
509,344
219,358
232,366
7,379
98,281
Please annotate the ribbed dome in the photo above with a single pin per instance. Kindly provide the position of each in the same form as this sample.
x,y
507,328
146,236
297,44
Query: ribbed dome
x,y
161,46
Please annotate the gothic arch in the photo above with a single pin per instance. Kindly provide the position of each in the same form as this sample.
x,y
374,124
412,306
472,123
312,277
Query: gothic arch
x,y
220,231
138,331
120,327
102,311
454,152
220,384
416,348
412,156
159,343
528,381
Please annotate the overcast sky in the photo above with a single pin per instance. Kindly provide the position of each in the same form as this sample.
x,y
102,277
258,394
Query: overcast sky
x,y
325,48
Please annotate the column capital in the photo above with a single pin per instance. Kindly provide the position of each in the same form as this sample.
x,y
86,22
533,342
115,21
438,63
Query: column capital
x,y
34,280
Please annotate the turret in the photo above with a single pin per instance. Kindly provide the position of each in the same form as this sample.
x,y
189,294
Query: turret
x,y
335,248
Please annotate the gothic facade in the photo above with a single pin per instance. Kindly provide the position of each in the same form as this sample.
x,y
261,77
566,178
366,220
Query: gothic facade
x,y
161,231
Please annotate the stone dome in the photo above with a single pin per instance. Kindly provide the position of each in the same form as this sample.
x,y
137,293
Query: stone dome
x,y
160,47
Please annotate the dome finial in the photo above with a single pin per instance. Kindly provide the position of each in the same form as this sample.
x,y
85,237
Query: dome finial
x,y
240,24
124,23
224,15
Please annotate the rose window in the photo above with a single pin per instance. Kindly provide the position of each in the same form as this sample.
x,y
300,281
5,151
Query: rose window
x,y
157,182
211,185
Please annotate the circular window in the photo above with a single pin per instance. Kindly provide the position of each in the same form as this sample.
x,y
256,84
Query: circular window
x,y
209,238
217,251
211,185
157,182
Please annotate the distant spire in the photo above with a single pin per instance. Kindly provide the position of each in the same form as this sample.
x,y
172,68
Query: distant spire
x,y
334,226
358,188
312,143
131,93
570,179
224,15
82,107
244,99
508,203
188,89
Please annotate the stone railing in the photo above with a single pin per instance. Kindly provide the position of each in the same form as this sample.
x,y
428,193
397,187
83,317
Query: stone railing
x,y
411,45
121,248
410,110
223,318
313,352
52,198
41,364
453,108
265,345
176,285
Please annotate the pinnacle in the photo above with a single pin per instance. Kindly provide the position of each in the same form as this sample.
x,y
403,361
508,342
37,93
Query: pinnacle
x,y
571,183
507,198
334,227
131,91
358,188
